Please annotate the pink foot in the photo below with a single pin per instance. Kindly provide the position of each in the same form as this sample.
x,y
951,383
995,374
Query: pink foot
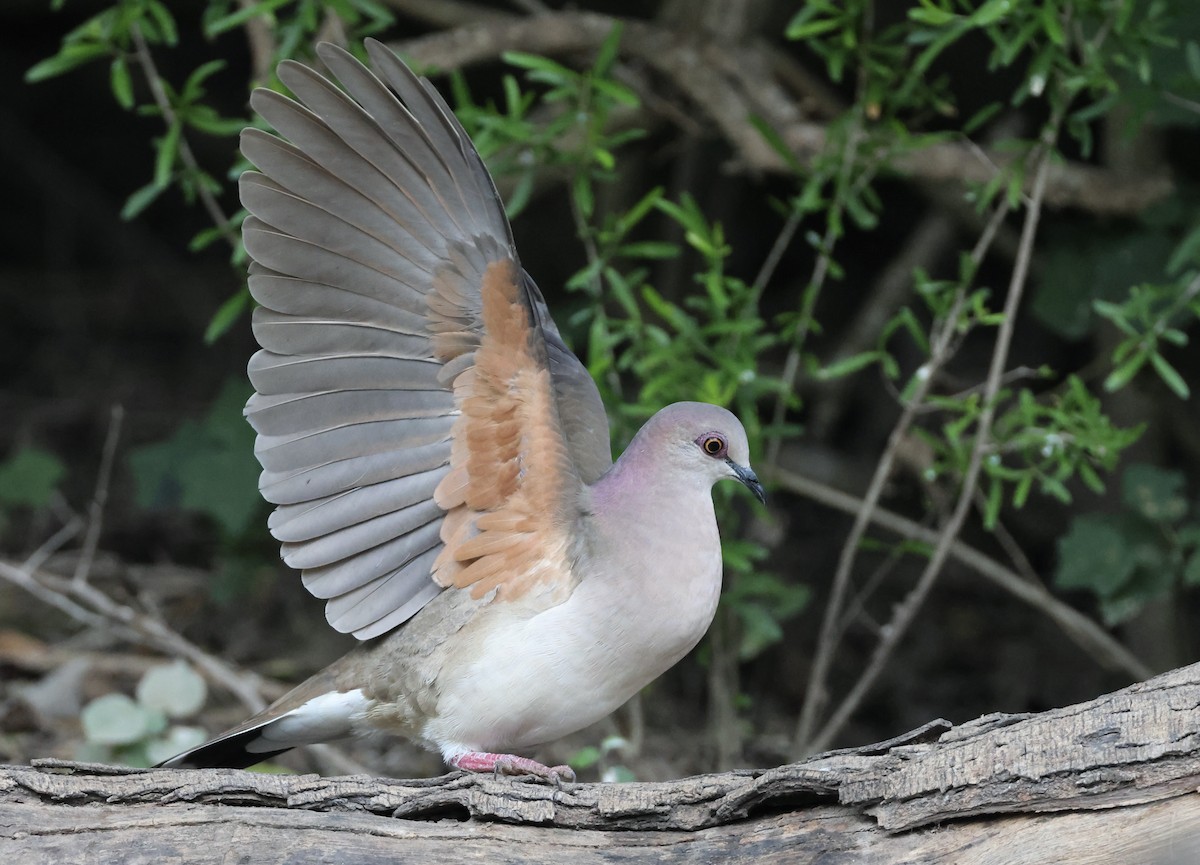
x,y
510,764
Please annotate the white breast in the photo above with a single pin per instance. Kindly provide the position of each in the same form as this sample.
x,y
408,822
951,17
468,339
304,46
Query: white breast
x,y
542,676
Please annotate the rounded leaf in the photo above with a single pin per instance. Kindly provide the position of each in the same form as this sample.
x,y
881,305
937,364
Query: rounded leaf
x,y
175,689
114,719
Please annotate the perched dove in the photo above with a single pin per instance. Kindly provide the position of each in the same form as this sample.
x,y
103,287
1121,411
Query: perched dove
x,y
439,458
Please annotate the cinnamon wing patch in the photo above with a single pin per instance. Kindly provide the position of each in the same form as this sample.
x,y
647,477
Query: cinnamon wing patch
x,y
512,490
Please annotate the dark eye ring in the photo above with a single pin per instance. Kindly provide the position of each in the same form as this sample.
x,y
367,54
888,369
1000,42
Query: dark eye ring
x,y
713,445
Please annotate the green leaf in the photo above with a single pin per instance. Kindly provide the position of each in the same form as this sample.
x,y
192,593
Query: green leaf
x,y
1191,571
532,62
175,689
759,630
607,55
583,193
168,152
114,719
995,498
1169,375
847,365
140,200
1124,373
121,83
68,58
775,142
193,88
1154,493
991,12
164,21
208,466
585,758
982,116
227,313
1095,555
29,477
653,249
1192,54
809,29
240,17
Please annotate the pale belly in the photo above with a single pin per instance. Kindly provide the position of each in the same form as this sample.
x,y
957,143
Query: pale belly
x,y
538,678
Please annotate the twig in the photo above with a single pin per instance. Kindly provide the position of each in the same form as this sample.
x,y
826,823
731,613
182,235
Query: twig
x,y
211,205
54,543
90,606
906,611
1008,543
940,353
22,579
100,496
782,241
1094,640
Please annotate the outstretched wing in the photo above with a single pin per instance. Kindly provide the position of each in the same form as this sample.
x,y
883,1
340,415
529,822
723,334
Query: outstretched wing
x,y
420,422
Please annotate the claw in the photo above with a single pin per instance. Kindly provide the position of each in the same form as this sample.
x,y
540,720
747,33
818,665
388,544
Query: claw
x,y
511,764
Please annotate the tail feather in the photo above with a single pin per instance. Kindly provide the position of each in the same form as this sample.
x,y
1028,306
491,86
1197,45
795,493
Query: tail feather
x,y
280,728
228,751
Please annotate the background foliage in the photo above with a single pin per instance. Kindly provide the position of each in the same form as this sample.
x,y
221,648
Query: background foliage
x,y
943,256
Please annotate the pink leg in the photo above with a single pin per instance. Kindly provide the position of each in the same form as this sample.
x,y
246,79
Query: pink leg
x,y
510,764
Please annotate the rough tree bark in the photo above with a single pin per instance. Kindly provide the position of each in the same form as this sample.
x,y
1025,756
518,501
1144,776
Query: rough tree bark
x,y
1114,781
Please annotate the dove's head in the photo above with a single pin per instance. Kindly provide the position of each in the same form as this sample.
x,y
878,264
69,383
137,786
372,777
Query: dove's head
x,y
702,440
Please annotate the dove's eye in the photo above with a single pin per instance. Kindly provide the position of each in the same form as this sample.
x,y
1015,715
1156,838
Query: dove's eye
x,y
713,444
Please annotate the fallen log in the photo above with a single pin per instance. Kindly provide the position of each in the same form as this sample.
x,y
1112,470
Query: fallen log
x,y
1115,780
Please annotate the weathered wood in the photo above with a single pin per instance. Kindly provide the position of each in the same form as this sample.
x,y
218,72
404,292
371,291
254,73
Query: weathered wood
x,y
1115,780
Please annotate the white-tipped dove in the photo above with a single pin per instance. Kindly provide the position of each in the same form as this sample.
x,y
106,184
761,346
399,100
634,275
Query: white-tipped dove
x,y
439,459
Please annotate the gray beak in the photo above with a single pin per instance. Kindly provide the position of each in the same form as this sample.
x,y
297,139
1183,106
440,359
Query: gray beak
x,y
746,475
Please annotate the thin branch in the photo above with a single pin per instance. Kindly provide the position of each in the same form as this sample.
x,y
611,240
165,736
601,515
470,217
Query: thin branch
x,y
1097,643
1007,542
88,605
941,349
207,199
906,611
54,543
100,496
782,241
23,579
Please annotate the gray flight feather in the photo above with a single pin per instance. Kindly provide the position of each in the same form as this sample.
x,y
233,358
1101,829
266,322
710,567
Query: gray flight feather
x,y
372,221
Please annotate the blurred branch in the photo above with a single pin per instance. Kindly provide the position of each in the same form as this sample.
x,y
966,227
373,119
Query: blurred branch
x,y
1101,646
100,496
942,347
90,606
733,84
906,611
